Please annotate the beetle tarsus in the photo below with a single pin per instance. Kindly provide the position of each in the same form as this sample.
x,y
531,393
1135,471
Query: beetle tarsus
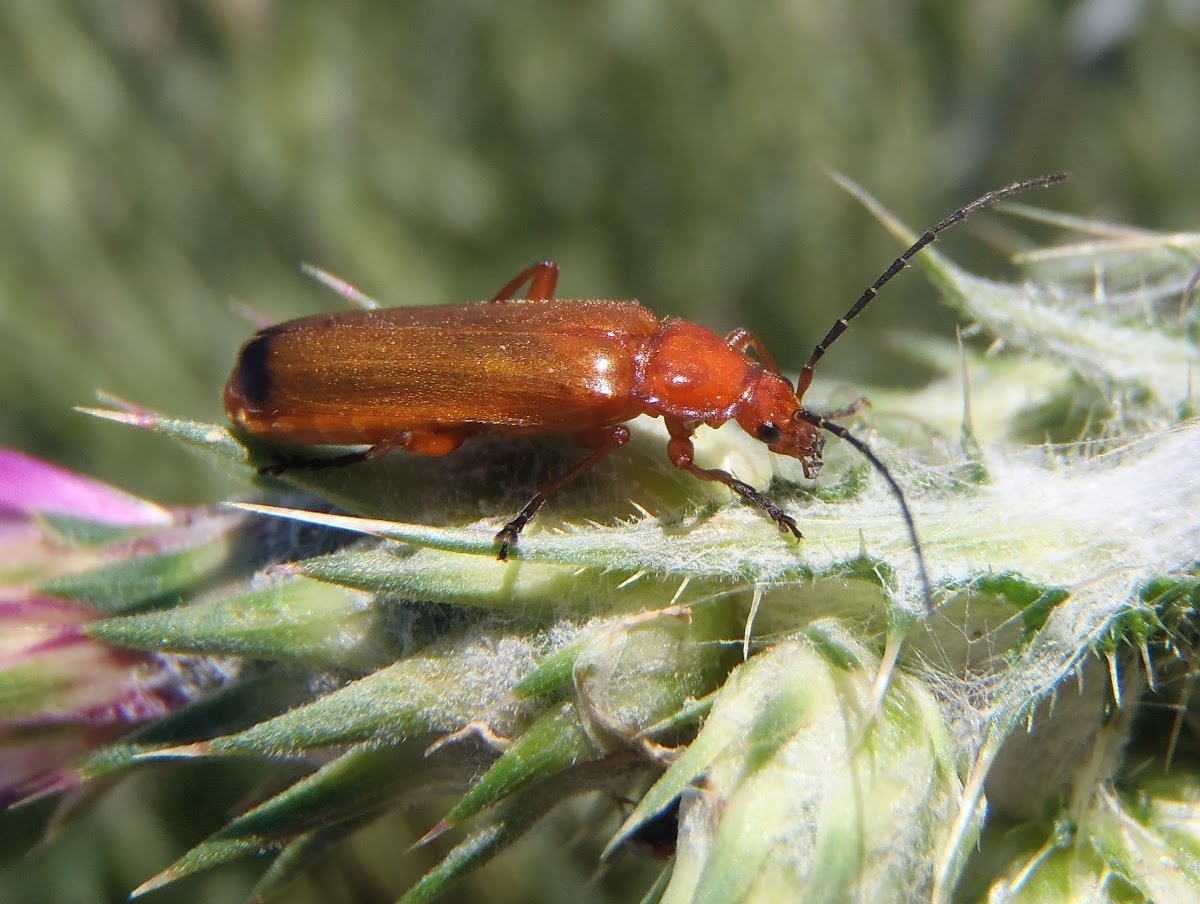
x,y
784,521
788,523
507,536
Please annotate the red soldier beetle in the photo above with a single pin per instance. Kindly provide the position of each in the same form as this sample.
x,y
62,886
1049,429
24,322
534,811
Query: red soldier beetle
x,y
425,379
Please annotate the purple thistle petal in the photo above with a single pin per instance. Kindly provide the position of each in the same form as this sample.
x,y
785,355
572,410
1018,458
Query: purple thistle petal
x,y
36,768
43,610
66,693
29,485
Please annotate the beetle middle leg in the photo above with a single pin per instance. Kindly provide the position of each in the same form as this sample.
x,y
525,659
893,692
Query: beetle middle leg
x,y
682,453
614,438
741,339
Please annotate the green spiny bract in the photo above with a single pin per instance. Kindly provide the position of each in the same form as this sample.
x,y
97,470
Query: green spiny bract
x,y
652,641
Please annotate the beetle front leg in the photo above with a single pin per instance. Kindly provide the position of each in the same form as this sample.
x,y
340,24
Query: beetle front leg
x,y
507,536
853,408
682,453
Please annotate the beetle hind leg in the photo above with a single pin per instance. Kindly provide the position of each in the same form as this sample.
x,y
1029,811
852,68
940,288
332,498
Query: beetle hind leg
x,y
508,535
542,278
400,441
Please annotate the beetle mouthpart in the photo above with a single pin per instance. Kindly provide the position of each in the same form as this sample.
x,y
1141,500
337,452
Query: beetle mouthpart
x,y
812,463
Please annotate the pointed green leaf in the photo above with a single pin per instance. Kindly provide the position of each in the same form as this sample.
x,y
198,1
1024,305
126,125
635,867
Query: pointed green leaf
x,y
552,743
297,856
212,439
205,855
464,677
321,807
735,543
553,673
298,621
634,673
516,815
726,725
356,784
143,581
481,581
231,709
477,849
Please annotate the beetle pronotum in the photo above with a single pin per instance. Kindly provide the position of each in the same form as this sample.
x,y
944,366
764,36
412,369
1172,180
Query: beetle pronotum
x,y
424,379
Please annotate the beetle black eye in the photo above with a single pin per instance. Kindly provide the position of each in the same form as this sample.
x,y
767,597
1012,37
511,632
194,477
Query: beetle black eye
x,y
769,433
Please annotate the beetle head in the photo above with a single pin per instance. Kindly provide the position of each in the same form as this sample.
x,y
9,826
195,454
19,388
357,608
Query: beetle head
x,y
771,413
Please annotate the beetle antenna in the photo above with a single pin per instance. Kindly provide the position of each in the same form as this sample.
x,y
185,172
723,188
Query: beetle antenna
x,y
806,372
841,432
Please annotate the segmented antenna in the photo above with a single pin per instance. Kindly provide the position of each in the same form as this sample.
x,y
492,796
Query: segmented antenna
x,y
806,372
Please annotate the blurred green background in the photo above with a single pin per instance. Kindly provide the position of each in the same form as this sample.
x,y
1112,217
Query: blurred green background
x,y
159,159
